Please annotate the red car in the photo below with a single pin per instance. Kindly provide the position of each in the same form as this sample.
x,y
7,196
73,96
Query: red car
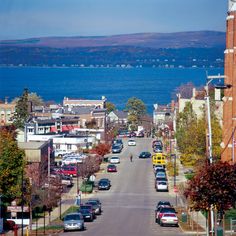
x,y
111,168
69,170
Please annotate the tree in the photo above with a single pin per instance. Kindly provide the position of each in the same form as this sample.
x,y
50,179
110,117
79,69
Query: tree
x,y
136,109
191,135
110,107
213,186
34,98
102,149
11,164
21,111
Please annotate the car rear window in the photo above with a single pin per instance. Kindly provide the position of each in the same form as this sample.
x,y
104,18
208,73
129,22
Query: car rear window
x,y
169,215
167,209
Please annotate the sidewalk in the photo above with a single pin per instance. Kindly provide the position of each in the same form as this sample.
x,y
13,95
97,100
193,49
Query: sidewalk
x,y
197,217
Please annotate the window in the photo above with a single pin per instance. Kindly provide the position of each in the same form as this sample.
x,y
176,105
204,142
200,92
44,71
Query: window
x,y
68,146
58,146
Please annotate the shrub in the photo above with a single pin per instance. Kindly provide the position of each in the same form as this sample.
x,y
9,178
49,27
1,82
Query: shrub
x,y
170,168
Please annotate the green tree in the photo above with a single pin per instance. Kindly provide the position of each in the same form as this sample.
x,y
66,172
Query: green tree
x,y
11,164
35,99
136,109
110,107
21,111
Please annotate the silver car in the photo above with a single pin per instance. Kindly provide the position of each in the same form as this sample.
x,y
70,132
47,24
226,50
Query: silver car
x,y
73,221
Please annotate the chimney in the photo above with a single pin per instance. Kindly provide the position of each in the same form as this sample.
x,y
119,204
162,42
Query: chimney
x,y
217,94
194,92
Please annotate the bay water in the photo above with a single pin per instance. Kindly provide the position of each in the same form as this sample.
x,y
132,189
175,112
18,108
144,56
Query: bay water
x,y
151,85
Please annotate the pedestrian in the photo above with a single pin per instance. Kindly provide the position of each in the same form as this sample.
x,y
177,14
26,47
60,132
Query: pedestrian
x,y
131,158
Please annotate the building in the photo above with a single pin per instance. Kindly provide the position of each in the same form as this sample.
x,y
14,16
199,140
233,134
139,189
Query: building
x,y
6,112
84,103
198,102
229,107
118,117
38,157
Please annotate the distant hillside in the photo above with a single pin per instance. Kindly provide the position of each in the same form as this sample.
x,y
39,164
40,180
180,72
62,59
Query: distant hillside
x,y
186,49
198,39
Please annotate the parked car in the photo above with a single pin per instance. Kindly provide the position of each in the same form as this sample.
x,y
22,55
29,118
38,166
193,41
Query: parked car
x,y
104,184
162,210
160,174
111,168
158,149
97,200
157,142
163,203
161,186
89,208
169,219
72,160
67,181
73,221
158,179
114,160
69,170
87,215
145,155
96,207
158,167
131,142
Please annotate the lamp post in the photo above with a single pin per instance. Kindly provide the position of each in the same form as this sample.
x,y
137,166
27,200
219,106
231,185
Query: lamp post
x,y
209,135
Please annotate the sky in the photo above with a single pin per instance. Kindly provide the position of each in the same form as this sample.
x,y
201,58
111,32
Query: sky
x,y
41,18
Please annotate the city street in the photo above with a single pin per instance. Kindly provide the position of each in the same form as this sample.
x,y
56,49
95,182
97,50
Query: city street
x,y
128,207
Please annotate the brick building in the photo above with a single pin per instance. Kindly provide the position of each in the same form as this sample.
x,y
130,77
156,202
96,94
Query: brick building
x,y
229,108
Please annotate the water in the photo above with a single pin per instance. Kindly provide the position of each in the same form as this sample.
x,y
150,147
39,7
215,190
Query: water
x,y
151,85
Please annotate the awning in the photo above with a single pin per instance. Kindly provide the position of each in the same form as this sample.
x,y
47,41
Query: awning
x,y
53,129
64,128
70,127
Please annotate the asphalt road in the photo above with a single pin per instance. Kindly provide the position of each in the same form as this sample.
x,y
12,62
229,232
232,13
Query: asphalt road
x,y
128,207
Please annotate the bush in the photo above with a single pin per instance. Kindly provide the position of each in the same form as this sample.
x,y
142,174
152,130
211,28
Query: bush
x,y
171,170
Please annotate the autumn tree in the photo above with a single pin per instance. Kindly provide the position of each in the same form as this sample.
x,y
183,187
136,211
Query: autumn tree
x,y
191,135
11,164
21,110
136,109
213,186
102,149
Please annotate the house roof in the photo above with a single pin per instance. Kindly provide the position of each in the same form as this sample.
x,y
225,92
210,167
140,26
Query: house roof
x,y
121,114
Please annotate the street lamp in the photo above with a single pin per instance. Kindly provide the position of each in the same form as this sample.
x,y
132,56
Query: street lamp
x,y
209,135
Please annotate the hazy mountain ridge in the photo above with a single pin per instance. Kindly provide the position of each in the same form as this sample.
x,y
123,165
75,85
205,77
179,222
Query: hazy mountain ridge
x,y
203,39
184,49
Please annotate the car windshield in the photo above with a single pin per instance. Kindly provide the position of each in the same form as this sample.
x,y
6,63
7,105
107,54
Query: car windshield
x,y
72,217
